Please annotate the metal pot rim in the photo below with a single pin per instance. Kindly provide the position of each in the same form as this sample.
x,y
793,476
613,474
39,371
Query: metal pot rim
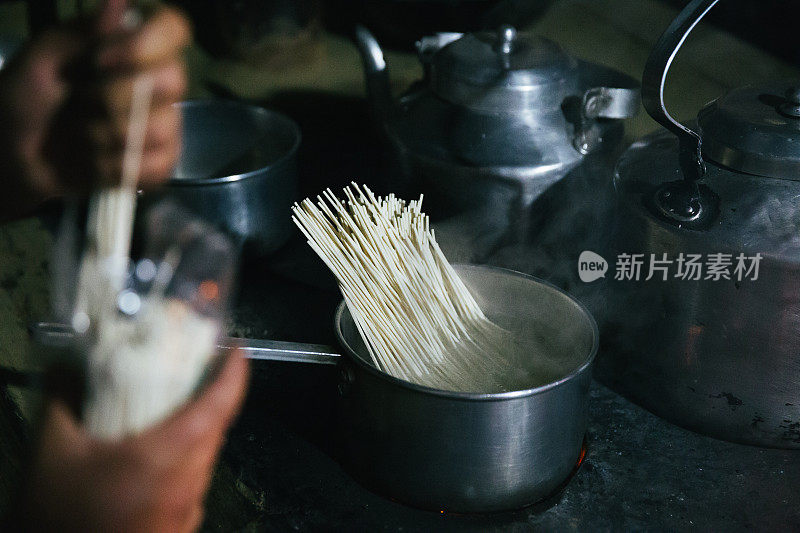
x,y
478,396
285,121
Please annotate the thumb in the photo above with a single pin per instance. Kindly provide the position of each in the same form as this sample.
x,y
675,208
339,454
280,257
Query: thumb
x,y
61,430
213,410
110,17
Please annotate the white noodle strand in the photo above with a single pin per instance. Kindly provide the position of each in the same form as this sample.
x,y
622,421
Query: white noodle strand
x,y
418,320
139,370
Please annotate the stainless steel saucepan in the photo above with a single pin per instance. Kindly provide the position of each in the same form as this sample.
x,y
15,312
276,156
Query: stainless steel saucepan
x,y
237,170
466,452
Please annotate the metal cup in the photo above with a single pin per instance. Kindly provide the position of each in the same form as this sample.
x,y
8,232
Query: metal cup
x,y
237,170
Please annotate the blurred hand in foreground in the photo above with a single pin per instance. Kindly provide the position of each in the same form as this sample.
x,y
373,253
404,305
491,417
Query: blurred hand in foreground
x,y
65,102
154,481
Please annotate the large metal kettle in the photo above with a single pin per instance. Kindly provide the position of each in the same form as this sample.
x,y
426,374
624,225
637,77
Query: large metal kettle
x,y
499,118
707,332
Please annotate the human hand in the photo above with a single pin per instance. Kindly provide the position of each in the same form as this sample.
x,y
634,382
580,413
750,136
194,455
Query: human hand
x,y
154,481
65,103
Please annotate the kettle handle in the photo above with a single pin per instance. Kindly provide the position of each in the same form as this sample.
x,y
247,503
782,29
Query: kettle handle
x,y
603,102
376,74
654,79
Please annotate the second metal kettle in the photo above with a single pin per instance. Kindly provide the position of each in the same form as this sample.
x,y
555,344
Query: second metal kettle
x,y
702,317
500,118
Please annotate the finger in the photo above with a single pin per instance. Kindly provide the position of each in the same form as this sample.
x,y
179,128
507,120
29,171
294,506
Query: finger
x,y
195,433
60,429
194,481
195,519
164,130
225,395
113,96
162,147
48,58
158,165
188,520
185,466
108,136
163,37
213,411
110,17
176,502
181,489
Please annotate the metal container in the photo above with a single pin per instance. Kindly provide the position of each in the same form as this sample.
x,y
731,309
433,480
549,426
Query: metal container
x,y
467,452
719,354
508,137
472,452
456,451
237,170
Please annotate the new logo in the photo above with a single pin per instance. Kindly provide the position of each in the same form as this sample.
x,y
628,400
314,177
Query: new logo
x,y
591,266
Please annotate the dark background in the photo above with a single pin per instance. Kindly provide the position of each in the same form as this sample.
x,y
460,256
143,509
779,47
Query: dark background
x,y
769,24
765,23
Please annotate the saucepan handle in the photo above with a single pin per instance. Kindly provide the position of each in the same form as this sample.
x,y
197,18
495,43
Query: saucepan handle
x,y
53,334
654,80
268,350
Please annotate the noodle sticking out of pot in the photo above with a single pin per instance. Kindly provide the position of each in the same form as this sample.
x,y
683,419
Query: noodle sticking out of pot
x,y
418,320
146,351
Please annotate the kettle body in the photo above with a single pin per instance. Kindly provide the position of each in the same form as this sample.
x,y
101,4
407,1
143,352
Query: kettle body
x,y
702,314
500,120
716,351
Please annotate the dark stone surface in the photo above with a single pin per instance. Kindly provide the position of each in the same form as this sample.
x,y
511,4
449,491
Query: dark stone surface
x,y
639,473
280,469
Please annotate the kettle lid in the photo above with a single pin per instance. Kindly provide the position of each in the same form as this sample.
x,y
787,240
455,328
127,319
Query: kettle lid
x,y
755,129
504,71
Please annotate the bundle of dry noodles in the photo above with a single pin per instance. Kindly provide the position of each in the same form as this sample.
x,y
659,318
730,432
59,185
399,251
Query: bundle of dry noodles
x,y
147,348
417,318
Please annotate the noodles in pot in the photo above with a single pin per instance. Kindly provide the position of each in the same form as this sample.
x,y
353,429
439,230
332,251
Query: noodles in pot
x,y
418,320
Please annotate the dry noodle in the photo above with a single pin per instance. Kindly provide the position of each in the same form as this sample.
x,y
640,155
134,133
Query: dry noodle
x,y
139,370
418,320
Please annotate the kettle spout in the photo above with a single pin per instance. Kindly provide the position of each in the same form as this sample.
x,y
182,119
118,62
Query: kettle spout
x,y
376,74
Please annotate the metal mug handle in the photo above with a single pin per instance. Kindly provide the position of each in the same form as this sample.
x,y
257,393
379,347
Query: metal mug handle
x,y
603,102
654,79
610,102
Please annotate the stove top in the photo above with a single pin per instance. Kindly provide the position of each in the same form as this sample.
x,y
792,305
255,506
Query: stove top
x,y
281,469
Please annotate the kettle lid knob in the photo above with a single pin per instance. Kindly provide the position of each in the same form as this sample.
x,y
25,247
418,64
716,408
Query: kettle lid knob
x,y
507,34
504,70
